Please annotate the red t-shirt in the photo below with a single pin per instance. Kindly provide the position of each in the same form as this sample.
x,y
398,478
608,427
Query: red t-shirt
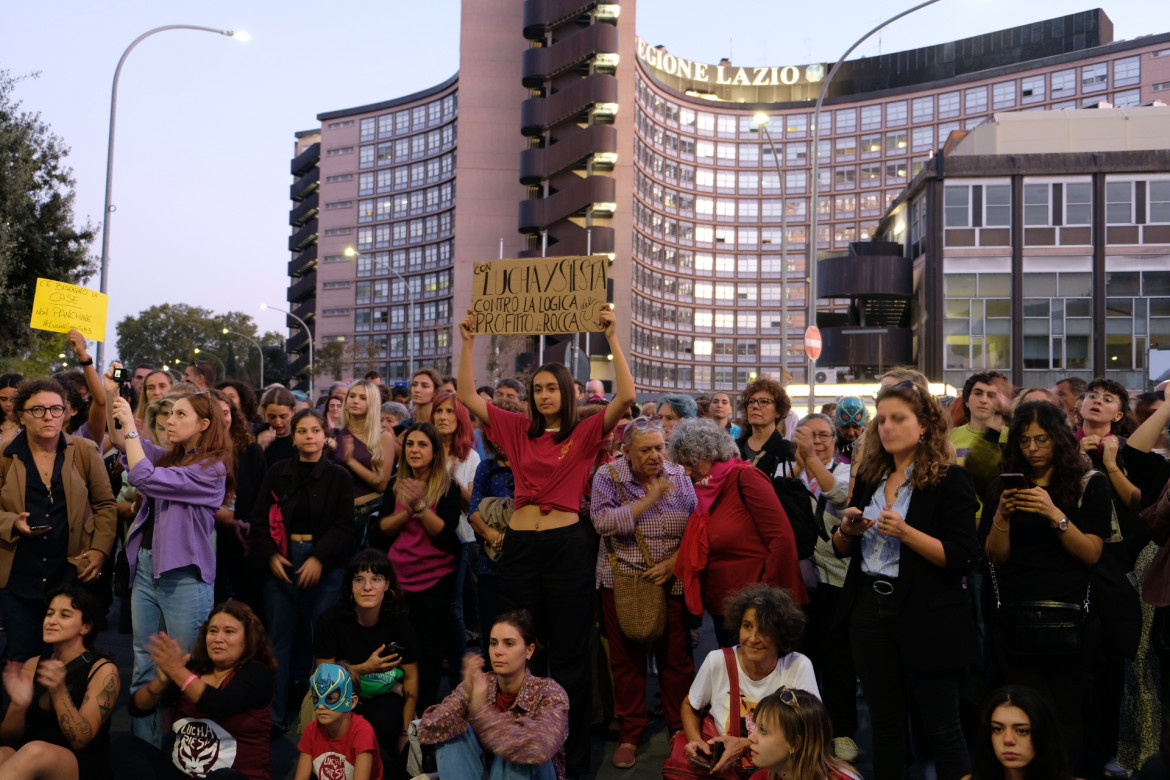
x,y
335,759
551,475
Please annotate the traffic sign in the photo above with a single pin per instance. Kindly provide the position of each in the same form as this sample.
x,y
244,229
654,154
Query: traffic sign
x,y
812,342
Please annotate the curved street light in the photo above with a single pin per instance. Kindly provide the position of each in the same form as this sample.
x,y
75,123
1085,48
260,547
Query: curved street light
x,y
108,208
816,138
308,333
761,121
351,252
222,365
255,344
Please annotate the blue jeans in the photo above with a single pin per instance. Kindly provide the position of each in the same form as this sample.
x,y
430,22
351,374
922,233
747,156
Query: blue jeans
x,y
291,613
462,757
178,602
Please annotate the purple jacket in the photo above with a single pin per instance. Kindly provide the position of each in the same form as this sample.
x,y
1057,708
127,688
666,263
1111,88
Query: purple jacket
x,y
186,499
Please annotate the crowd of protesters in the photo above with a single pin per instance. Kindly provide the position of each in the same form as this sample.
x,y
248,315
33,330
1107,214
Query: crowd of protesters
x,y
991,568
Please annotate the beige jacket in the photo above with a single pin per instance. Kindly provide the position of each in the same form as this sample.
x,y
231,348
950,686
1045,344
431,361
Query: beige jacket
x,y
93,515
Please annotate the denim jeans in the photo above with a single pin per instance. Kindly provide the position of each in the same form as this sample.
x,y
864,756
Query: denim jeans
x,y
462,757
291,613
178,602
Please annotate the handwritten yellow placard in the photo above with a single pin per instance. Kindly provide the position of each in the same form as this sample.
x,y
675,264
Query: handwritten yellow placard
x,y
539,295
61,307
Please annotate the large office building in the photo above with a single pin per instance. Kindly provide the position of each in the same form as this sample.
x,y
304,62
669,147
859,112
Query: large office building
x,y
563,133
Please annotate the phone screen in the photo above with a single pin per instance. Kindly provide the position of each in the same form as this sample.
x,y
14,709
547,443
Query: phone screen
x,y
1014,482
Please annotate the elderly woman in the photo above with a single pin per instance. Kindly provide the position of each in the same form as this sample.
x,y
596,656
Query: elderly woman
x,y
739,533
768,624
674,407
643,501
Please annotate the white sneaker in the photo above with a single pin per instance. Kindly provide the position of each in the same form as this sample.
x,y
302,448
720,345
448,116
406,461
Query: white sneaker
x,y
845,749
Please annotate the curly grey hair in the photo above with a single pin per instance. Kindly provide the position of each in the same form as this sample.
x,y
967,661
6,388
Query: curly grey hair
x,y
777,614
400,412
696,438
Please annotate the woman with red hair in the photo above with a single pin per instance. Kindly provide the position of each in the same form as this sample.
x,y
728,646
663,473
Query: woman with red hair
x,y
453,421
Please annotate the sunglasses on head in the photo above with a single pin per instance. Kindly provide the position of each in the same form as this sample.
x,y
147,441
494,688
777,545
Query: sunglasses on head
x,y
645,423
788,696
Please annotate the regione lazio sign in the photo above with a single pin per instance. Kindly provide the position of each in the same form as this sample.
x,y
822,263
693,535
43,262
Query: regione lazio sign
x,y
539,295
728,75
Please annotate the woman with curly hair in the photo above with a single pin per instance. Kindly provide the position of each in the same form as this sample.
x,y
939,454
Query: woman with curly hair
x,y
1042,541
793,739
1019,738
221,698
769,623
244,397
909,533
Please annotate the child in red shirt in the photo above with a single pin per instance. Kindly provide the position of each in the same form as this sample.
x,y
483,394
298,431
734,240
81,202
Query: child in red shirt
x,y
337,745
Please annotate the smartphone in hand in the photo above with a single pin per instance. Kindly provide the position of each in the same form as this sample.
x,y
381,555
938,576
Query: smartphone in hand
x,y
1014,481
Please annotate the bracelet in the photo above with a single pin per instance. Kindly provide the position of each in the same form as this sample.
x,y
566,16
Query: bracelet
x,y
86,362
998,527
191,679
1114,471
841,531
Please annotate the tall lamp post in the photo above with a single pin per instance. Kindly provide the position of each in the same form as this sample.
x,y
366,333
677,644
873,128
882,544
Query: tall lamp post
x,y
351,252
255,344
816,139
308,333
761,120
108,209
199,351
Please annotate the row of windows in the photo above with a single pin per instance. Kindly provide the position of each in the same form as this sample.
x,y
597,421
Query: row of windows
x,y
405,177
670,345
701,320
399,370
394,345
394,317
409,119
413,148
685,261
699,378
1127,201
405,232
402,261
741,237
403,205
430,285
673,288
1055,85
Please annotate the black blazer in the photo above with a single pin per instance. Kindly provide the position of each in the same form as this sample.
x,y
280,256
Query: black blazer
x,y
934,622
330,494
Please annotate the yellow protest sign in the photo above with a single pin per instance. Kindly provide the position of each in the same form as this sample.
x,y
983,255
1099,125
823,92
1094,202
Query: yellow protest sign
x,y
61,307
539,295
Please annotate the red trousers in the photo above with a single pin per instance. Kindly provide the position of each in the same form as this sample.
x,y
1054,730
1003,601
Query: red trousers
x,y
676,668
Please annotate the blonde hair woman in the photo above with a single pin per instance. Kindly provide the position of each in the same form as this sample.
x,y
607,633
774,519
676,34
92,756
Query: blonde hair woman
x,y
364,449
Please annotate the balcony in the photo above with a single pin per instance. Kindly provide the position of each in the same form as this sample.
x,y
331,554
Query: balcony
x,y
307,310
568,239
542,15
301,239
870,269
298,342
306,160
307,209
304,260
574,199
303,288
306,185
540,113
299,366
852,345
571,151
546,62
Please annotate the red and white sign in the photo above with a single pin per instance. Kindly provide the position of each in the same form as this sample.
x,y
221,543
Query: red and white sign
x,y
812,342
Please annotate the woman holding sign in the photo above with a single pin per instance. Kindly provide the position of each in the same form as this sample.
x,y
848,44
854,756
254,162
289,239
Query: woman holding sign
x,y
546,566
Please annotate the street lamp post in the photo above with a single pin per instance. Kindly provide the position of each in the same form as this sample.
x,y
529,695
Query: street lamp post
x,y
108,209
351,252
761,120
308,333
199,351
255,344
816,139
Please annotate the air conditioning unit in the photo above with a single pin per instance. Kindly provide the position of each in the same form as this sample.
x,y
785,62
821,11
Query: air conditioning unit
x,y
826,376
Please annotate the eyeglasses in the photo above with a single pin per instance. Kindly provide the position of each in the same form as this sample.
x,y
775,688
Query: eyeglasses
x,y
788,696
1105,398
38,412
1039,441
822,436
373,581
760,402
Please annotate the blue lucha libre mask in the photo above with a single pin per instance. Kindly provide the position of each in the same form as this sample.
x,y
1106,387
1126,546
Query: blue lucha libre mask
x,y
332,688
851,409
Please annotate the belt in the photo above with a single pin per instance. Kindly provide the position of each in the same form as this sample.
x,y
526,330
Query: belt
x,y
883,586
300,537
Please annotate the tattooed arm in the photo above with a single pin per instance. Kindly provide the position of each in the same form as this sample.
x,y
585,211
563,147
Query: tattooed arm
x,y
80,725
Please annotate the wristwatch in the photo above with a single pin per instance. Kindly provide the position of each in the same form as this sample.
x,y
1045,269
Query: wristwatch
x,y
134,435
1061,526
86,362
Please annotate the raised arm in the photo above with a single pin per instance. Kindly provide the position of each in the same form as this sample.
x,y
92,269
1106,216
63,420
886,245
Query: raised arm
x,y
623,380
465,387
96,424
1146,436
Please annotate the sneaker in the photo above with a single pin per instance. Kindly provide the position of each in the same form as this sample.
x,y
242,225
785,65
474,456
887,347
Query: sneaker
x,y
624,757
845,749
1112,770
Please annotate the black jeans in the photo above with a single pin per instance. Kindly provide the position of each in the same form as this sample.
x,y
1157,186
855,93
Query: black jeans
x,y
550,573
826,643
429,610
889,686
137,759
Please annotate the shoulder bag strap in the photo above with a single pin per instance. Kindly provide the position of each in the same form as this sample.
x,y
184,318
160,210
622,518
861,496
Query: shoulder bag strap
x,y
638,537
733,677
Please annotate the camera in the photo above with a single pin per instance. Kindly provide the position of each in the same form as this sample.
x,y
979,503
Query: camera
x,y
121,375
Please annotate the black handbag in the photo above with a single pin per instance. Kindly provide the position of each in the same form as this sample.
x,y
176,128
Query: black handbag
x,y
1040,628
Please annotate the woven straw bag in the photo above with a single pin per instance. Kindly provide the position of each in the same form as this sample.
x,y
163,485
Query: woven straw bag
x,y
641,605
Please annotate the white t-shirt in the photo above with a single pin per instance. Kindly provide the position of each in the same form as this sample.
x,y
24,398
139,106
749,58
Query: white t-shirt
x,y
463,472
712,686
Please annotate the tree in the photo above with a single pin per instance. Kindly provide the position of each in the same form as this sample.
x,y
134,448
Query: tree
x,y
169,333
38,237
328,360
